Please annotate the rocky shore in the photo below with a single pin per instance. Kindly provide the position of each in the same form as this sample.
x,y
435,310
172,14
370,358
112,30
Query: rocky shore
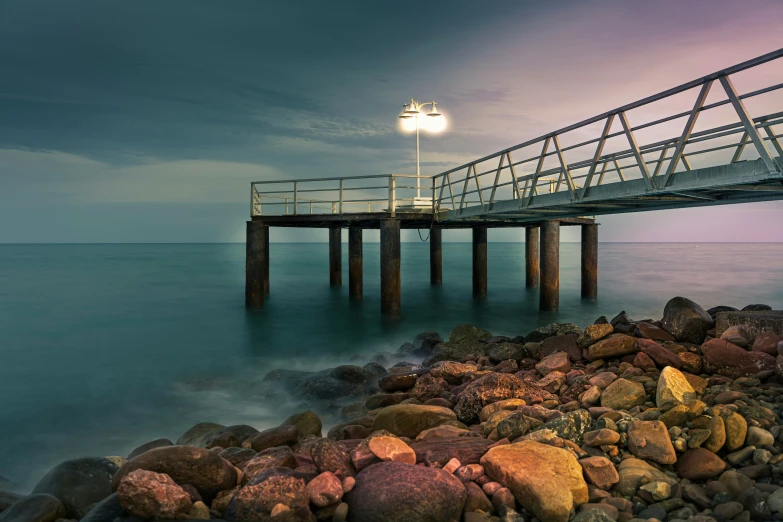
x,y
676,419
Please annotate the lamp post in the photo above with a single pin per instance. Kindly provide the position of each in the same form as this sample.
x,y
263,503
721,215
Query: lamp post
x,y
412,110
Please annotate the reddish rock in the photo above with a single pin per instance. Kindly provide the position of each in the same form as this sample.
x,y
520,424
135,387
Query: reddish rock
x,y
467,450
649,331
601,437
476,499
492,388
453,372
239,457
732,361
281,457
557,362
398,381
600,472
659,354
392,448
603,379
408,420
699,464
767,343
650,440
201,468
429,387
324,490
328,455
738,335
273,437
643,361
150,495
395,492
260,496
691,362
561,343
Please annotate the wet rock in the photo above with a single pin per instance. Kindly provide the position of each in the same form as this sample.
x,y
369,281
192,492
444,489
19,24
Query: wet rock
x,y
381,400
754,501
468,332
392,449
35,508
546,480
600,472
686,320
307,422
281,457
673,389
561,343
429,387
476,499
650,331
79,483
328,455
260,496
467,450
738,336
623,394
699,464
286,435
635,472
457,351
557,362
570,426
203,469
395,492
511,426
325,388
593,334
453,372
504,351
395,382
408,420
616,345
150,495
733,361
351,373
239,457
662,356
157,443
601,437
650,440
196,432
324,490
105,510
759,437
767,342
492,388
507,404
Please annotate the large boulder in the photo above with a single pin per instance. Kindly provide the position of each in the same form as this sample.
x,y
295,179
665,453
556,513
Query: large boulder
x,y
686,321
699,464
281,457
330,456
150,495
157,443
733,361
408,420
108,509
203,469
285,435
658,353
492,388
673,389
544,479
79,483
468,332
457,351
327,388
395,492
35,508
307,422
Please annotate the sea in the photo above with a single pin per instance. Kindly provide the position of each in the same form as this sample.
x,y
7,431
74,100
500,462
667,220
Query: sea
x,y
106,346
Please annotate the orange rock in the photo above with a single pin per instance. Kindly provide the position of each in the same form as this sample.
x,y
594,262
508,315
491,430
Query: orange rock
x,y
392,449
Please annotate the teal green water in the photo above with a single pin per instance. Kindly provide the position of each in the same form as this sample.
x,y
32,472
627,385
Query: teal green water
x,y
103,347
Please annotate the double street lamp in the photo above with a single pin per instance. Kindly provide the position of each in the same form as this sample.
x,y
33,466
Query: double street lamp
x,y
411,110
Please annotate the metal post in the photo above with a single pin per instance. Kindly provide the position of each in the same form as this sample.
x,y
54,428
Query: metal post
x,y
549,296
418,171
479,261
296,198
436,256
266,260
589,261
531,257
335,257
390,267
255,259
355,280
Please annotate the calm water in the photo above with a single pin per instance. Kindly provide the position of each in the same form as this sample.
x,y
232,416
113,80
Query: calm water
x,y
103,347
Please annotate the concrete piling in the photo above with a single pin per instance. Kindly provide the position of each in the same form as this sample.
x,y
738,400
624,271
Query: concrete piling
x,y
335,257
531,257
549,296
436,256
390,267
480,262
589,261
355,276
255,264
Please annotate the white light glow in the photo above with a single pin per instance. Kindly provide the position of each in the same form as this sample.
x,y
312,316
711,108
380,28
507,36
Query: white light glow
x,y
430,124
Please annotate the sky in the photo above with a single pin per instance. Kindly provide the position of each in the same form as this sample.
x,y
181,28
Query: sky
x,y
146,121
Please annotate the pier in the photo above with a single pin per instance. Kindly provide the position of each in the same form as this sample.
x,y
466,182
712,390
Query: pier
x,y
558,179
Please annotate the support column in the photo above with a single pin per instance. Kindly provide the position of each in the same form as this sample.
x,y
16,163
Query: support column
x,y
480,262
589,261
335,257
531,257
255,261
266,260
549,296
390,267
355,276
436,256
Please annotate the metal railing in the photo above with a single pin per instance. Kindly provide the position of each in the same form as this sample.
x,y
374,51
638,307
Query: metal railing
x,y
526,178
652,151
347,194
